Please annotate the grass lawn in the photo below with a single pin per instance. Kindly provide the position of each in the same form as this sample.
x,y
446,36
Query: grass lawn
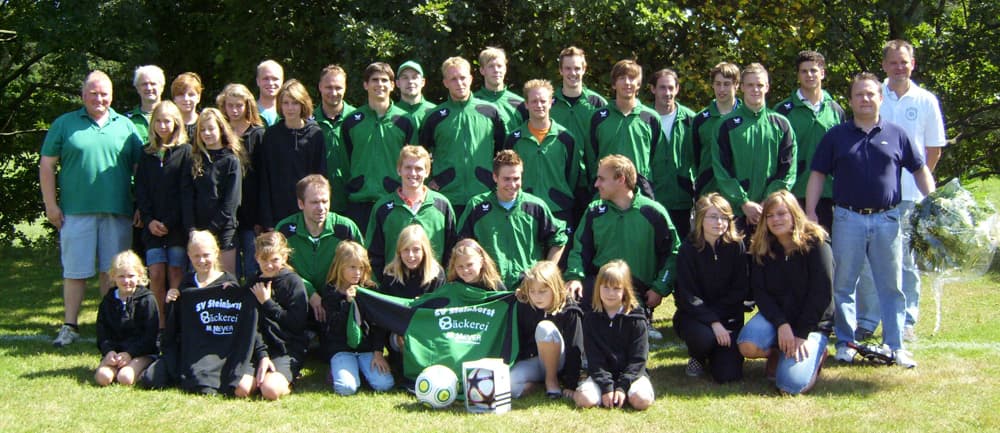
x,y
956,387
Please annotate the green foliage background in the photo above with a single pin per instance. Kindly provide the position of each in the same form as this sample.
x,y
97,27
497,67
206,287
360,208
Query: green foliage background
x,y
46,47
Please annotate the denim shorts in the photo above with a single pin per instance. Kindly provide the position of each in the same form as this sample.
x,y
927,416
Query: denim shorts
x,y
86,236
172,256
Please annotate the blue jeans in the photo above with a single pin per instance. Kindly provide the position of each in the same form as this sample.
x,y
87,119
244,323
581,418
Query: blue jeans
x,y
868,307
344,367
792,376
874,237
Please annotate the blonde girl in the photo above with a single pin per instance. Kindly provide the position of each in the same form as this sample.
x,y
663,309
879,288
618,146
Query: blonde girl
x,y
791,275
413,270
471,265
217,162
351,269
127,323
281,295
201,363
159,179
616,343
712,283
551,336
240,108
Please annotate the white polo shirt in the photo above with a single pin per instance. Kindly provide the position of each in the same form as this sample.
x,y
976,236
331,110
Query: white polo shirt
x,y
918,112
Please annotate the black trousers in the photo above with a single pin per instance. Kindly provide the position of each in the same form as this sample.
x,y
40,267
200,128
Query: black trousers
x,y
725,364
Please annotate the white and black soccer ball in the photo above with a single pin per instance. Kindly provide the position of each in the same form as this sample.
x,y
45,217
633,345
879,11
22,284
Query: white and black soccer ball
x,y
481,390
436,386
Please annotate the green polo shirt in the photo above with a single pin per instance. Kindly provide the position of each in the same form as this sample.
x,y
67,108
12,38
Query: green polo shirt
x,y
95,162
140,119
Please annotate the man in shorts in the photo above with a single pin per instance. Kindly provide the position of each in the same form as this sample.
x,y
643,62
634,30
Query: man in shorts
x,y
95,151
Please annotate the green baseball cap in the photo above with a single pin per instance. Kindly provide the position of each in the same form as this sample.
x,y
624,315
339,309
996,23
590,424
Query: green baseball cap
x,y
410,64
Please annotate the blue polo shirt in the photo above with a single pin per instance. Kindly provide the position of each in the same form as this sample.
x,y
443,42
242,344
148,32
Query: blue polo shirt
x,y
866,166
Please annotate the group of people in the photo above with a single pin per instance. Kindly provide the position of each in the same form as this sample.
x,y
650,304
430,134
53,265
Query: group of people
x,y
593,210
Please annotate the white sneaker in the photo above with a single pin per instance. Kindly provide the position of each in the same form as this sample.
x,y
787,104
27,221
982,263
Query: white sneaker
x,y
654,334
909,334
65,337
904,358
845,354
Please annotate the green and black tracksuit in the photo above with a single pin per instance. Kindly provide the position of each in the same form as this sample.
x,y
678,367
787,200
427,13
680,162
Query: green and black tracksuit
x,y
574,114
391,215
553,169
642,235
372,144
636,135
809,127
311,256
674,167
509,102
704,131
756,156
334,154
416,111
515,238
463,136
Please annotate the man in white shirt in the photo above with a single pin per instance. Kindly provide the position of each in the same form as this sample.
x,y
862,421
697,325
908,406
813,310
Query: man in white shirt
x,y
918,112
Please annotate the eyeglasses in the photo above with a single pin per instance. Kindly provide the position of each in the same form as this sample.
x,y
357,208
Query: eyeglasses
x,y
720,218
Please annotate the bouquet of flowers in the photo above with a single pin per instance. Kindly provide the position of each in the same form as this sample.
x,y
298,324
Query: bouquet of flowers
x,y
949,230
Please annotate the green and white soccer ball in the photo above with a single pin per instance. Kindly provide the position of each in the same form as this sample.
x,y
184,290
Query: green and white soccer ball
x,y
436,386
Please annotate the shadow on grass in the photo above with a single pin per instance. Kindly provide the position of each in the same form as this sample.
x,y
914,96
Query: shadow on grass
x,y
82,375
672,381
33,346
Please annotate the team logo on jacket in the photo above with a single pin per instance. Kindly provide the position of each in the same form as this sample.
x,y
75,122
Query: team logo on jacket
x,y
604,113
390,205
911,113
485,207
292,228
737,120
517,134
358,116
788,105
602,209
706,114
443,112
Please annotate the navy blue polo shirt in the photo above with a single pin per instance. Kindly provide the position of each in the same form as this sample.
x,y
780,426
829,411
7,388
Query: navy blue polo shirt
x,y
866,166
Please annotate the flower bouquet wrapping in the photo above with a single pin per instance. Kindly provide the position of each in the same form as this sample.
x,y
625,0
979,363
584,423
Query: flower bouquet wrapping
x,y
950,230
953,235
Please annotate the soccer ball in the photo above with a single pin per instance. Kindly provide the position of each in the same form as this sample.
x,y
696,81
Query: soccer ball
x,y
481,387
436,386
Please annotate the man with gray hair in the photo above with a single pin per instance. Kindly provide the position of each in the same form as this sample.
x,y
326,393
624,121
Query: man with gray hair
x,y
148,81
95,151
